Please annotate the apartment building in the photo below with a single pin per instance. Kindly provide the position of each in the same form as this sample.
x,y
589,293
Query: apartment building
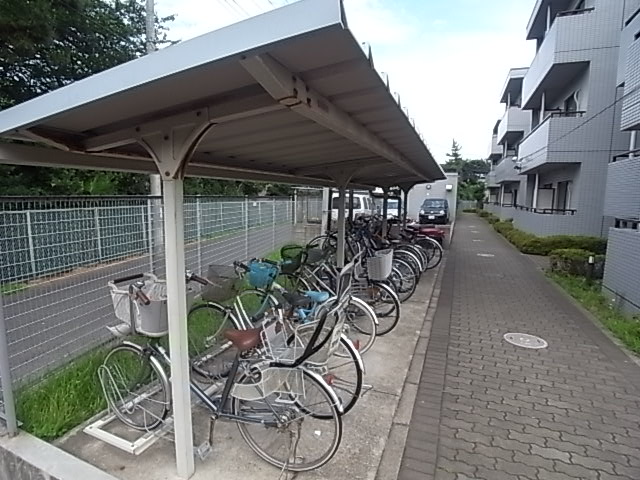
x,y
622,201
569,94
511,129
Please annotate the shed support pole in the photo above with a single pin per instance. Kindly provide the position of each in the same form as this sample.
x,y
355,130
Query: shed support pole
x,y
341,227
326,211
329,209
177,314
385,207
405,208
350,205
5,377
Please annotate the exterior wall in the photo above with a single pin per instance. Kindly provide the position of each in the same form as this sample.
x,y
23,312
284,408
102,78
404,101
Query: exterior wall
x,y
622,268
436,190
623,189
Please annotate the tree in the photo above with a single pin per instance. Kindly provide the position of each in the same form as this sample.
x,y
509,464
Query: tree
x,y
455,161
46,44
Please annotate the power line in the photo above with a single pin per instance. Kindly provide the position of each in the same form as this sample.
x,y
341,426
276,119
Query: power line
x,y
241,8
531,156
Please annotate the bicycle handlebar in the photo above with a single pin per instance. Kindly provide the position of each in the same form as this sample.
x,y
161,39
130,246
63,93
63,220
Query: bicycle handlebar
x,y
129,278
140,295
240,265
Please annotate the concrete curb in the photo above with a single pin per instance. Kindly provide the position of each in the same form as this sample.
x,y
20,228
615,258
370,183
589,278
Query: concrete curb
x,y
27,457
389,465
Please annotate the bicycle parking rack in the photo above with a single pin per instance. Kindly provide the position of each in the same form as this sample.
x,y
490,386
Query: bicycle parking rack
x,y
98,429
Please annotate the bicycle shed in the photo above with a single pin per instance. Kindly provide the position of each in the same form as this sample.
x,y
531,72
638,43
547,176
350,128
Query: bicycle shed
x,y
289,96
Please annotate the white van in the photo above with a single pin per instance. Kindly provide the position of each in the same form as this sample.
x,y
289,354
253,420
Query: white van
x,y
362,205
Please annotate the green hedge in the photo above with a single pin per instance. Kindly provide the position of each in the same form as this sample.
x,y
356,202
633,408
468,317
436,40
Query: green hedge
x,y
535,245
575,261
470,210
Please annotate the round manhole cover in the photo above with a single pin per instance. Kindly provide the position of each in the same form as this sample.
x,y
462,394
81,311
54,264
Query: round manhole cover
x,y
525,340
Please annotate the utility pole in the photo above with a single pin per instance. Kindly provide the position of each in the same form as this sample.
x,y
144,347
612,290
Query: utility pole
x,y
154,179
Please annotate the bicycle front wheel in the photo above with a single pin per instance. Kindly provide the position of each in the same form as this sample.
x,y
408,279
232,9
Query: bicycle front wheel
x,y
210,353
135,387
285,429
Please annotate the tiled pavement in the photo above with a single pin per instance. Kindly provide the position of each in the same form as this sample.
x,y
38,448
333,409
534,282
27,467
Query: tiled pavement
x,y
488,410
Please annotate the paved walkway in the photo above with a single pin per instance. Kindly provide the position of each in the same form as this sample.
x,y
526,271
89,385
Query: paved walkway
x,y
488,410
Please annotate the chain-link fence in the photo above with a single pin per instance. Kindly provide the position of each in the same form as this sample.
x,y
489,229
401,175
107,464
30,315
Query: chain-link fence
x,y
57,255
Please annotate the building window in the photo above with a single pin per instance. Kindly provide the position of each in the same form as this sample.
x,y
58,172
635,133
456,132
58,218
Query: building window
x,y
571,104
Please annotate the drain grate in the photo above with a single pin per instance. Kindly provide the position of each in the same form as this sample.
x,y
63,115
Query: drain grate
x,y
525,340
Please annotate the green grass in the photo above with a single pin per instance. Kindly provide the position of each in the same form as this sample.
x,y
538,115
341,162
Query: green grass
x,y
64,399
623,327
9,288
72,394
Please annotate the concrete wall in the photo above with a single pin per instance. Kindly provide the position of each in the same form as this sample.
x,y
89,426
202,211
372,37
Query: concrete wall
x,y
622,268
26,457
436,189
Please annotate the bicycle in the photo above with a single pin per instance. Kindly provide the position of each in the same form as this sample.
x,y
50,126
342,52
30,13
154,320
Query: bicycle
x,y
273,395
344,371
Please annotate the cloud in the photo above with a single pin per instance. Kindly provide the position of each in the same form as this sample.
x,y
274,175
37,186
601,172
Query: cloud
x,y
447,70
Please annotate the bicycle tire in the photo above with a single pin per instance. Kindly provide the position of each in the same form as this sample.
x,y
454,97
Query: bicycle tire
x,y
142,393
405,282
319,426
210,353
434,251
361,318
387,318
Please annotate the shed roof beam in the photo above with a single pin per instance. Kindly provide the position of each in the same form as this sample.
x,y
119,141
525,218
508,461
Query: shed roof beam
x,y
291,91
215,113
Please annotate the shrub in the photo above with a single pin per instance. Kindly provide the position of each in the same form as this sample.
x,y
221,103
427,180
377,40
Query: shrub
x,y
575,261
484,213
534,245
470,210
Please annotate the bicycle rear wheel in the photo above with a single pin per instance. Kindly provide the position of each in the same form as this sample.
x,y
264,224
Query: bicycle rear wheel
x,y
135,387
385,304
287,430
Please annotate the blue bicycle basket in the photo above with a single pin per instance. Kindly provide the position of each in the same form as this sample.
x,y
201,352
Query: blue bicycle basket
x,y
261,274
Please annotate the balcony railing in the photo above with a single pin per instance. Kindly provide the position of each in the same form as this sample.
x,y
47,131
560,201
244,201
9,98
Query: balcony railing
x,y
631,154
547,211
580,11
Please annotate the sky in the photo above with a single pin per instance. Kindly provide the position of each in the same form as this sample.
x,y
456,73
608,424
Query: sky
x,y
447,59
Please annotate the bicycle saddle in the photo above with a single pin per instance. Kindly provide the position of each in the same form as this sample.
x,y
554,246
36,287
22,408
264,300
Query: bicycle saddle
x,y
317,297
297,300
243,340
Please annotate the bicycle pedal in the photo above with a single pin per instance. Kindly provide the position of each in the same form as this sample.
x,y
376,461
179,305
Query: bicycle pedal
x,y
203,450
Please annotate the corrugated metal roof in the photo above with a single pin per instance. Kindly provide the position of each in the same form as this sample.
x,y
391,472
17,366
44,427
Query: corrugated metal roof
x,y
291,96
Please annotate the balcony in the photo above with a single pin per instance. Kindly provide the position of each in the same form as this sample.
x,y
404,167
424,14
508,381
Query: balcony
x,y
505,171
622,199
496,150
551,142
629,60
565,222
514,125
491,180
565,52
